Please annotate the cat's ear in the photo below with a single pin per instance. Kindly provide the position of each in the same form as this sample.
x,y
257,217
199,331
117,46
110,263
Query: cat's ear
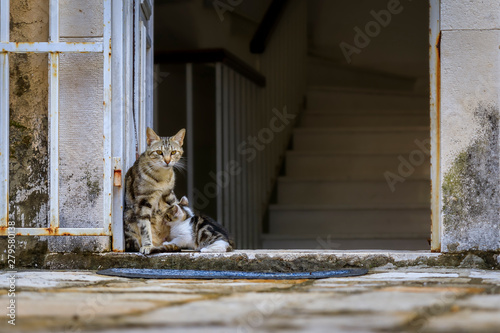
x,y
179,137
152,137
184,201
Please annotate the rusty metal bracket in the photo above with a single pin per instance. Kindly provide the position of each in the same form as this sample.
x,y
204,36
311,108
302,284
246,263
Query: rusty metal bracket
x,y
117,171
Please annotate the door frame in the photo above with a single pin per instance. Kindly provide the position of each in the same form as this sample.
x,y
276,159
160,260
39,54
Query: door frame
x,y
132,96
435,105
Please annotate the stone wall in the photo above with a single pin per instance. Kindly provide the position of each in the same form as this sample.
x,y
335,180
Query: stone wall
x,y
470,173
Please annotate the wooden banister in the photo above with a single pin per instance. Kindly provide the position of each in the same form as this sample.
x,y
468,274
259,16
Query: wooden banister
x,y
212,55
267,26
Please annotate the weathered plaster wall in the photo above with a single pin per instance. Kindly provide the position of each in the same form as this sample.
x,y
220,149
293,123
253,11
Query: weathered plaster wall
x,y
28,167
470,171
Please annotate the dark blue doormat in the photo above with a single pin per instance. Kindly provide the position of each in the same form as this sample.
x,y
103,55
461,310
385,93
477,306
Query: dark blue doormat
x,y
142,273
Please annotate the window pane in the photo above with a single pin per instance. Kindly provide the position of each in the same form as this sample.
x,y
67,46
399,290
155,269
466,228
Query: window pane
x,y
81,18
81,140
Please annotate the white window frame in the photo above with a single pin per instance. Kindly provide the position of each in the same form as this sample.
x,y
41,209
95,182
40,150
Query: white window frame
x,y
54,47
143,70
435,83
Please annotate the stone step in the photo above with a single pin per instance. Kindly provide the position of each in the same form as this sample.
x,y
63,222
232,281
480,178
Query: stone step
x,y
336,120
339,100
333,166
396,140
321,242
362,193
335,220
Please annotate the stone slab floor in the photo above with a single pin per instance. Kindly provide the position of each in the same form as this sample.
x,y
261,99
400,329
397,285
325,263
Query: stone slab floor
x,y
388,299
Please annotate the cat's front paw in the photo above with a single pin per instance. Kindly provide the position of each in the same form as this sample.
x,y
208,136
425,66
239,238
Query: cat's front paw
x,y
169,247
146,249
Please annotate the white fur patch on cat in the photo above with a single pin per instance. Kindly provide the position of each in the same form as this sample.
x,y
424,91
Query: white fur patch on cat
x,y
182,233
217,246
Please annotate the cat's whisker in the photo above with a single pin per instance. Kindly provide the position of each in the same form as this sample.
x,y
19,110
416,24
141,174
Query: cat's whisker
x,y
181,165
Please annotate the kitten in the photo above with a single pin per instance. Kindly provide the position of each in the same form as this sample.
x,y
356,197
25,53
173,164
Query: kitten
x,y
149,190
193,231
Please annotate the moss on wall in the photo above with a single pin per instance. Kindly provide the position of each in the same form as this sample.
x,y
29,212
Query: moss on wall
x,y
28,106
471,189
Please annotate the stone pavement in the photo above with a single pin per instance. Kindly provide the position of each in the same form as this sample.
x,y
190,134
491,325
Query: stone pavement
x,y
388,299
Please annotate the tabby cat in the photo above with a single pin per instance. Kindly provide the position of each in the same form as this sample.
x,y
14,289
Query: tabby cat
x,y
149,190
193,231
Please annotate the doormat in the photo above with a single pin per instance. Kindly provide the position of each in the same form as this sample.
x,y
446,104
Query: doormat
x,y
144,273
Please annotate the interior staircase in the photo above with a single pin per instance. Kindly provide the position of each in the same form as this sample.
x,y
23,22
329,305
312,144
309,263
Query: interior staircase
x,y
335,193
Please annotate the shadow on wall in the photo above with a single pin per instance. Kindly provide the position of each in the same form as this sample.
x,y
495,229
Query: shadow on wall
x,y
385,35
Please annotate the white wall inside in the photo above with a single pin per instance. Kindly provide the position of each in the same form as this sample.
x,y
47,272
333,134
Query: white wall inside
x,y
400,47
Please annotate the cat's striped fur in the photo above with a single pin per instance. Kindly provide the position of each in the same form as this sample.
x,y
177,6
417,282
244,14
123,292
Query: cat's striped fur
x,y
193,231
149,190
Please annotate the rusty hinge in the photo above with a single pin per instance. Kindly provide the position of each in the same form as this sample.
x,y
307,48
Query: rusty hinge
x,y
117,171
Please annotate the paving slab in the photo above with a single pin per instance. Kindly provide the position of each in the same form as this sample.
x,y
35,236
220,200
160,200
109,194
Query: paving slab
x,y
482,302
465,321
360,322
237,309
65,304
378,301
192,286
399,276
489,276
37,279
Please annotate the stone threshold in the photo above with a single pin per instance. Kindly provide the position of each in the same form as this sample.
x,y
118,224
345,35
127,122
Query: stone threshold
x,y
264,260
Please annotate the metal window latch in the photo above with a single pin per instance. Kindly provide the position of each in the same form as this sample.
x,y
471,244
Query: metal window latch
x,y
117,171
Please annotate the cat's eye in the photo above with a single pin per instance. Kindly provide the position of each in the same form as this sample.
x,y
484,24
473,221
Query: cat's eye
x,y
159,152
174,152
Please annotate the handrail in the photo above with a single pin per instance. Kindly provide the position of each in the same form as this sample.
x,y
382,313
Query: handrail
x,y
267,26
212,55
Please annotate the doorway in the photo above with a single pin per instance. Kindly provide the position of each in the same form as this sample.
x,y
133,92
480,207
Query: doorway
x,y
356,171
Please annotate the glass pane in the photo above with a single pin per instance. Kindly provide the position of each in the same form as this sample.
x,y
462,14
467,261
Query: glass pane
x,y
81,18
28,136
29,21
81,140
